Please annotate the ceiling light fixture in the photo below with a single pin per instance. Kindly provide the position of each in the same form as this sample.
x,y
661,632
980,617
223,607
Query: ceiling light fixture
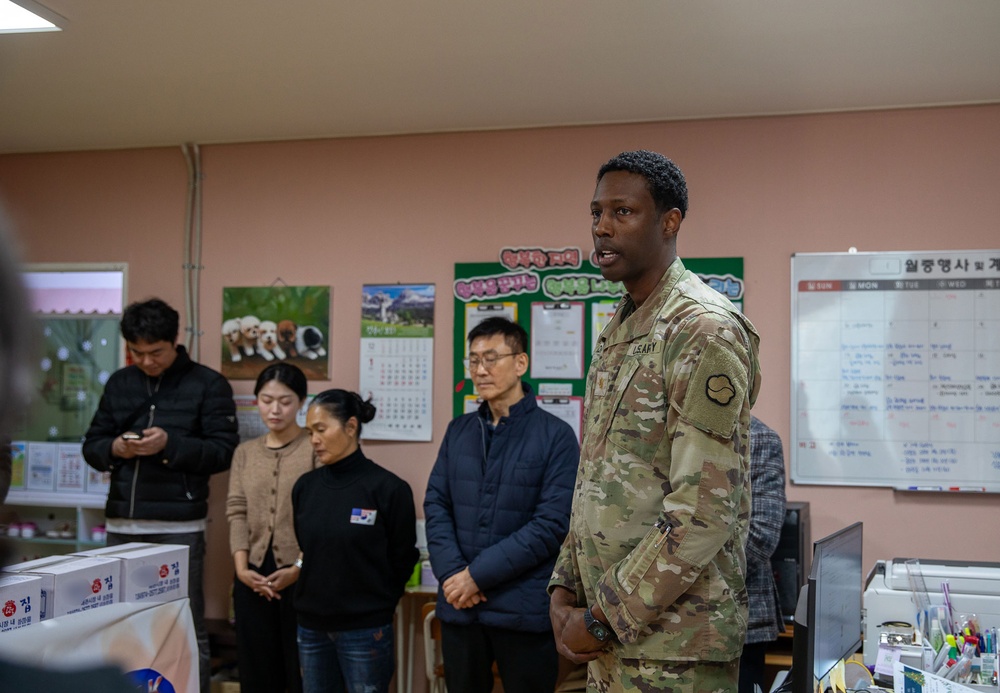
x,y
26,16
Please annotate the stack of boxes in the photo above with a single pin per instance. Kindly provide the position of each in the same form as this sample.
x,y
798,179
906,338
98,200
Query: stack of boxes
x,y
59,585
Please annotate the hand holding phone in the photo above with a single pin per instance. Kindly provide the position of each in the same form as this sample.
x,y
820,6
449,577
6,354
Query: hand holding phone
x,y
131,435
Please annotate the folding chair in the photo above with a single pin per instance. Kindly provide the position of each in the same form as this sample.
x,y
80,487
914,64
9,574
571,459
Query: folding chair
x,y
433,661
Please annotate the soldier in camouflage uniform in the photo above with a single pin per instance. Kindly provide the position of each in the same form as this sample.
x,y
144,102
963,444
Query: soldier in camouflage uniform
x,y
654,560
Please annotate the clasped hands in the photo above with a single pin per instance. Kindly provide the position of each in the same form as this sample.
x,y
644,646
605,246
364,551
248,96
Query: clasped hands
x,y
269,586
573,640
461,591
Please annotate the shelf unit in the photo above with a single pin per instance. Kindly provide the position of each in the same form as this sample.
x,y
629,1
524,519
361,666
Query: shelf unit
x,y
50,511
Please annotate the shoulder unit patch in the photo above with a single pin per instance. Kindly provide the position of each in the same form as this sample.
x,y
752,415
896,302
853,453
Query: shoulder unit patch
x,y
719,389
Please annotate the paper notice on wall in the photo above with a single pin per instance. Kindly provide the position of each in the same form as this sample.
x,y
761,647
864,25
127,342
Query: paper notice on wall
x,y
41,475
70,468
557,340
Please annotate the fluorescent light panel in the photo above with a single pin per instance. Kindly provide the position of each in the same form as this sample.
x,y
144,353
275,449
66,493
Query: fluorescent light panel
x,y
17,19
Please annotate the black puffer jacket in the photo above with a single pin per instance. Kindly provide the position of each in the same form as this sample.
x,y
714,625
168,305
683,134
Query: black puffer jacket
x,y
195,406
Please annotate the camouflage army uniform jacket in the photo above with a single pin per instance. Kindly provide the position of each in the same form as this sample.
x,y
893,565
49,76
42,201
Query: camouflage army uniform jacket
x,y
661,507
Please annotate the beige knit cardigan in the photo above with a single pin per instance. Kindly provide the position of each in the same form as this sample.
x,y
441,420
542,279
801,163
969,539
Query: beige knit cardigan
x,y
259,504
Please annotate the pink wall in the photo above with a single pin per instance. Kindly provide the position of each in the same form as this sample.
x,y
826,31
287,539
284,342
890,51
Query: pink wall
x,y
405,209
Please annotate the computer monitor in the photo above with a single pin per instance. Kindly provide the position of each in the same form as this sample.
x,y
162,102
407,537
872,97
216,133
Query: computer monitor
x,y
828,615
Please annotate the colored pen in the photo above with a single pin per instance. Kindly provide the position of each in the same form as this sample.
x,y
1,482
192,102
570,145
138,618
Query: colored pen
x,y
946,591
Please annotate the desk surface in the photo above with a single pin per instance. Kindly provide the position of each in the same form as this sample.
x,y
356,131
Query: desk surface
x,y
426,590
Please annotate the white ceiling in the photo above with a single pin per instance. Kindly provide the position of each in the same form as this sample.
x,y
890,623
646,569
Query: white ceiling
x,y
133,73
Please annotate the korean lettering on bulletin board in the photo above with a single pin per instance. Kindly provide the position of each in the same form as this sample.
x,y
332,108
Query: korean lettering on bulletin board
x,y
896,370
561,299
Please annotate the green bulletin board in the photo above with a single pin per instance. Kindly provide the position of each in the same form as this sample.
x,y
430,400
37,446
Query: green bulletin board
x,y
526,276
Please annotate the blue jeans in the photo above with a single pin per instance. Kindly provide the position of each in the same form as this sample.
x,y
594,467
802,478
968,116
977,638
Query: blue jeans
x,y
347,661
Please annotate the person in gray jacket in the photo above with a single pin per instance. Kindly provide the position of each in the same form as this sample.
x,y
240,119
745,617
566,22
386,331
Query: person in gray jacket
x,y
767,515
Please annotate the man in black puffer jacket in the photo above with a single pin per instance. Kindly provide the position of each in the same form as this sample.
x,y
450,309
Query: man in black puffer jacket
x,y
164,425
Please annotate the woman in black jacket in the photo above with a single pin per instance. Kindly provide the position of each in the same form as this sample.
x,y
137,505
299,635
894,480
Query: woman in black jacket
x,y
356,526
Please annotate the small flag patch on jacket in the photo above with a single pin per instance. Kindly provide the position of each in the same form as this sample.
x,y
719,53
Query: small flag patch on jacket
x,y
363,516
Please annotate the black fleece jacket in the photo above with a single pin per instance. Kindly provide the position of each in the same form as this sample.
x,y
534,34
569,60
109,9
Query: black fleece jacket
x,y
356,526
195,406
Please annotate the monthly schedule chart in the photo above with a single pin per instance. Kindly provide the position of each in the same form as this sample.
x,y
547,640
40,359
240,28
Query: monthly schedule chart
x,y
896,370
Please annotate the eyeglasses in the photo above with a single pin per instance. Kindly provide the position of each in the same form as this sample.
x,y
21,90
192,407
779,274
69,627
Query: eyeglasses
x,y
487,360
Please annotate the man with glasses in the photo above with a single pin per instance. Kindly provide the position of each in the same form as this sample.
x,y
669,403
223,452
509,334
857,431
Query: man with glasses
x,y
497,508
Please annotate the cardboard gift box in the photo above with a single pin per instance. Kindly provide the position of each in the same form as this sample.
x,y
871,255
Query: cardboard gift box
x,y
20,601
149,572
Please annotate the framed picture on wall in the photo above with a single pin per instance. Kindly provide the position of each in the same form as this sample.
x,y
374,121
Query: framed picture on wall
x,y
262,324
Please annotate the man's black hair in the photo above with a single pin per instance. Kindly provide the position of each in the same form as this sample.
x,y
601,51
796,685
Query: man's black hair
x,y
663,178
150,321
513,334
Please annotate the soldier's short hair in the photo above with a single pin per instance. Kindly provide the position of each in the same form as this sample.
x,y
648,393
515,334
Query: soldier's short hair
x,y
663,177
513,334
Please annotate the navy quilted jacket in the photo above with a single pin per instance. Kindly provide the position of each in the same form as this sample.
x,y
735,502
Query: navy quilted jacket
x,y
504,514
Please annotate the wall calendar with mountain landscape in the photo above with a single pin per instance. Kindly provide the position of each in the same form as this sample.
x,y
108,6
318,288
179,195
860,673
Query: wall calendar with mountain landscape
x,y
397,359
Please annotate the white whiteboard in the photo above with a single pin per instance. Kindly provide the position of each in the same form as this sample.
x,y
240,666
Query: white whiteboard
x,y
896,370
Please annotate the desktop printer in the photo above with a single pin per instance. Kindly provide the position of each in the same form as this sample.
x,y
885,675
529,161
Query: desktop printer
x,y
974,588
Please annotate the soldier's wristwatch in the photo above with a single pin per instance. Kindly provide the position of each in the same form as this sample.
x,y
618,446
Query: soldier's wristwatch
x,y
595,627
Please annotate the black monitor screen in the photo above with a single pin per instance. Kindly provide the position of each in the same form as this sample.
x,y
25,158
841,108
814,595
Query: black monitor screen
x,y
836,577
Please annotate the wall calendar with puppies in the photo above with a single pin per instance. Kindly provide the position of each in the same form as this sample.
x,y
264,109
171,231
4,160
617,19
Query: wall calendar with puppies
x,y
397,360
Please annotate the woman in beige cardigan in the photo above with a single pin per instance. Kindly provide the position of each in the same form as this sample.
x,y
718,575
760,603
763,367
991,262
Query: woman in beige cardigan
x,y
261,536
